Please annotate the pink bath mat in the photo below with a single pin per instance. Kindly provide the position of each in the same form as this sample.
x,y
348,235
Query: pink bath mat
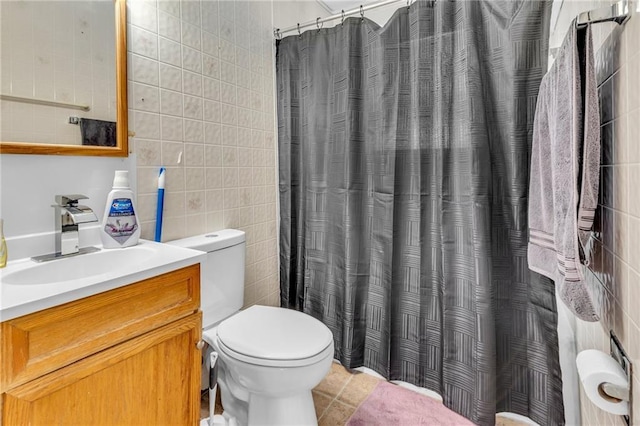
x,y
391,404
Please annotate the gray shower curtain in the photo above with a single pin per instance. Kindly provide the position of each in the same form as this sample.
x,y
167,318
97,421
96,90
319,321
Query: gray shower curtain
x,y
404,158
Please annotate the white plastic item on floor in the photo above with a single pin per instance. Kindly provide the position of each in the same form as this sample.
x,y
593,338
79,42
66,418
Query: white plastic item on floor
x,y
218,420
423,391
215,419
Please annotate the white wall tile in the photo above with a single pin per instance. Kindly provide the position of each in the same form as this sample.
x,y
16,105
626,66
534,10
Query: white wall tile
x,y
244,117
212,134
146,125
227,9
142,15
170,52
171,152
171,102
227,30
228,93
143,42
191,35
211,66
171,128
228,114
193,130
194,178
228,72
193,107
191,59
216,165
170,77
213,176
191,12
194,154
212,156
170,6
192,83
145,70
169,26
211,89
227,51
212,111
145,98
243,77
210,44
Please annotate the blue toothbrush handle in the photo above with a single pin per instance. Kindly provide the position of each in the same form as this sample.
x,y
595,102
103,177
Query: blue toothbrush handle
x,y
159,210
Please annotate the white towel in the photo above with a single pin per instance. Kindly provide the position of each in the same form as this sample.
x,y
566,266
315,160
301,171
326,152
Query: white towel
x,y
563,186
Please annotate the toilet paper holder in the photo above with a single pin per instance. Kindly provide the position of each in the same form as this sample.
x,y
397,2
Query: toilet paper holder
x,y
614,391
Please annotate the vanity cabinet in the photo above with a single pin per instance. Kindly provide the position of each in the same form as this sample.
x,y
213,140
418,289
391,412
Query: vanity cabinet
x,y
124,357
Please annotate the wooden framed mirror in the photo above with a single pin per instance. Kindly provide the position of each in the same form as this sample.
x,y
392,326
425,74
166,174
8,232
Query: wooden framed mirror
x,y
37,102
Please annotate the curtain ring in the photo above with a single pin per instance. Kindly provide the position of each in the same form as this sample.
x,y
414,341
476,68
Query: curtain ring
x,y
318,24
361,13
342,21
277,34
299,33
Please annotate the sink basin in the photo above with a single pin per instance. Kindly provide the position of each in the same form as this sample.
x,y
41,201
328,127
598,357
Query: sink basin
x,y
79,267
27,286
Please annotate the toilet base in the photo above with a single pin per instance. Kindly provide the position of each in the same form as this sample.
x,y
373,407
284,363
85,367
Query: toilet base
x,y
292,410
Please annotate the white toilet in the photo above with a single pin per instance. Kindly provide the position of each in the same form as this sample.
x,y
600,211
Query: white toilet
x,y
269,358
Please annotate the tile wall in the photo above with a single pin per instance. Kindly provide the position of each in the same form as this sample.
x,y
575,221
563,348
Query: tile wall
x,y
201,103
615,263
65,53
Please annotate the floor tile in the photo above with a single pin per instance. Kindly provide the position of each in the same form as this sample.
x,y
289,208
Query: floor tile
x,y
334,381
321,401
337,414
358,388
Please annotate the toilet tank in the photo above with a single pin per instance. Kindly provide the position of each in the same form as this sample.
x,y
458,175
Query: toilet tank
x,y
221,275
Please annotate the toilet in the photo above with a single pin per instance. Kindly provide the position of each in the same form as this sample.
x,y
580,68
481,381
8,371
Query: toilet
x,y
269,358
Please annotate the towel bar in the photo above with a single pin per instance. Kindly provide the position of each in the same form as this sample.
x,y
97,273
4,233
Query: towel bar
x,y
617,12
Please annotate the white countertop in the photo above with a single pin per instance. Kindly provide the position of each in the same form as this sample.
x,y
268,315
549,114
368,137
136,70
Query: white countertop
x,y
21,299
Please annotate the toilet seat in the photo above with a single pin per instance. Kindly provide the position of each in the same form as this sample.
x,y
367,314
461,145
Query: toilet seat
x,y
277,337
266,362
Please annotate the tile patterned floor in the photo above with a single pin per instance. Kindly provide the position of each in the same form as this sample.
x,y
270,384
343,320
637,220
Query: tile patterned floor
x,y
340,393
337,397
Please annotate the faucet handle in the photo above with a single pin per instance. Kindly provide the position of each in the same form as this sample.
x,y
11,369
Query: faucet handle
x,y
69,200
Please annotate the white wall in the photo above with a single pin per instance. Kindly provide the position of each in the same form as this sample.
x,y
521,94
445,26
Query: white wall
x,y
288,13
28,185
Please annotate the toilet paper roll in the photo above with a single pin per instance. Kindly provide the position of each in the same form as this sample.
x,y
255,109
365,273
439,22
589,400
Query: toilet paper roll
x,y
596,368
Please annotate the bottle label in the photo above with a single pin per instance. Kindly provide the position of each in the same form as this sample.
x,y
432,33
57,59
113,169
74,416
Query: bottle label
x,y
121,221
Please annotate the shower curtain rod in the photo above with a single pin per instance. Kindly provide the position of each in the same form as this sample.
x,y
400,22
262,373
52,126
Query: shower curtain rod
x,y
617,12
277,33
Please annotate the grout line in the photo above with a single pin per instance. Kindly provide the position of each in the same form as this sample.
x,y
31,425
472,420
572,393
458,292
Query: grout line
x,y
335,397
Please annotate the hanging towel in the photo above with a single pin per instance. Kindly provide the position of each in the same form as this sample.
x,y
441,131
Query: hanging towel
x,y
98,132
565,160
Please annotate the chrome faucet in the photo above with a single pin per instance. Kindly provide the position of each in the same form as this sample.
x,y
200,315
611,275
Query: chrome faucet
x,y
68,215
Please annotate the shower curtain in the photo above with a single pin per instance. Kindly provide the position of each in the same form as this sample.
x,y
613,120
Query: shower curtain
x,y
403,176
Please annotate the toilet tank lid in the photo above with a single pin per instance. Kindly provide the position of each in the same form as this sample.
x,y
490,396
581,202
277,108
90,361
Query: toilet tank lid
x,y
212,241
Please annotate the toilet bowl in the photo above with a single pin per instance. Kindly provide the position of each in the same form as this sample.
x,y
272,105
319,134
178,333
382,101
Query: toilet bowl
x,y
269,358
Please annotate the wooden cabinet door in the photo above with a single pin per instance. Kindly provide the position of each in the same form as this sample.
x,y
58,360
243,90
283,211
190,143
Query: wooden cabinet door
x,y
153,379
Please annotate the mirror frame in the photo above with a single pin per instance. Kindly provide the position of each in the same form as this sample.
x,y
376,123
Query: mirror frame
x,y
122,133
